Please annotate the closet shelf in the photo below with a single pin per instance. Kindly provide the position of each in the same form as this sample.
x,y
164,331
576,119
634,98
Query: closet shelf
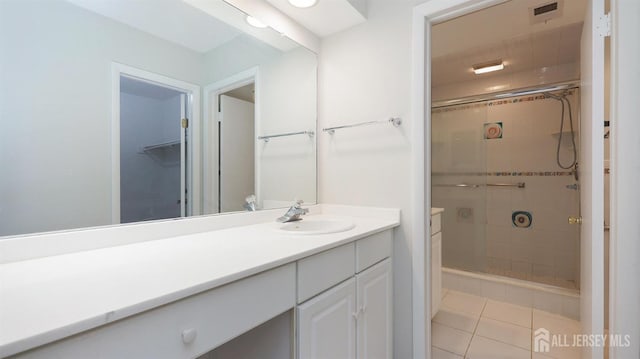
x,y
162,146
564,133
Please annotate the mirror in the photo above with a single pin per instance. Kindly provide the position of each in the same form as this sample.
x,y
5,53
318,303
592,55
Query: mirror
x,y
122,111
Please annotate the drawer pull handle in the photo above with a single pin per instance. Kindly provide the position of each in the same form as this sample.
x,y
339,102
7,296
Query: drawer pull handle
x,y
189,335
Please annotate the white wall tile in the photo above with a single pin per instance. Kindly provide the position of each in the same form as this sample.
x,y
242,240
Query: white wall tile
x,y
493,290
547,302
519,296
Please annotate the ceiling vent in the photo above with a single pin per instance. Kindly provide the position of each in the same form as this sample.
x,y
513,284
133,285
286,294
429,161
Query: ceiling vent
x,y
546,11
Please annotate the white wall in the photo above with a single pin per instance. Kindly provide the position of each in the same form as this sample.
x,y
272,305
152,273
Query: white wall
x,y
287,165
364,75
55,91
235,56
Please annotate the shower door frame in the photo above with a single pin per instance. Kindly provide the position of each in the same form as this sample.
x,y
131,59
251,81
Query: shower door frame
x,y
193,197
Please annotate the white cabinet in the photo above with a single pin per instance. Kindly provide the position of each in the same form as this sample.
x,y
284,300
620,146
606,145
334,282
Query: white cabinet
x,y
436,263
327,324
374,326
353,319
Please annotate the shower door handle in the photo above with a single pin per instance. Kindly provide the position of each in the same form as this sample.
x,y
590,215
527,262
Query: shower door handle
x,y
575,220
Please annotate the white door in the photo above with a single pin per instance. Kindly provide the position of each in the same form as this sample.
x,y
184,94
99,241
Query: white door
x,y
237,141
327,324
591,170
374,324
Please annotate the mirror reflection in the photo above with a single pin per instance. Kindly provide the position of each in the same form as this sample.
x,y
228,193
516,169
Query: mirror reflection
x,y
122,111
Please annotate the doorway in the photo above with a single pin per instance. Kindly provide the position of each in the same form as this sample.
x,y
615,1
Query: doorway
x,y
231,109
590,152
155,146
236,139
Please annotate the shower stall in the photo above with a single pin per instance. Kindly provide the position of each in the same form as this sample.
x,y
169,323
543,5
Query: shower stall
x,y
503,168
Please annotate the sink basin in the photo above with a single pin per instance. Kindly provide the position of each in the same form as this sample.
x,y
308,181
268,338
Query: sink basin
x,y
316,226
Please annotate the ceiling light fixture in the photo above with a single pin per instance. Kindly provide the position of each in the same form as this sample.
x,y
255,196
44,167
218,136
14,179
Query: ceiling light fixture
x,y
488,67
255,22
303,3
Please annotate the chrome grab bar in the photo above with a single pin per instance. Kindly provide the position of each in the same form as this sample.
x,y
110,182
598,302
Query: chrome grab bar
x,y
517,185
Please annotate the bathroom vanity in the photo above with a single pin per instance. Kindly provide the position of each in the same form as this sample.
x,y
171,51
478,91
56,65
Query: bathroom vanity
x,y
181,297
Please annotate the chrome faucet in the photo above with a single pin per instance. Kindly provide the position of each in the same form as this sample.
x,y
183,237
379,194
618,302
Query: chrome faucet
x,y
250,203
293,213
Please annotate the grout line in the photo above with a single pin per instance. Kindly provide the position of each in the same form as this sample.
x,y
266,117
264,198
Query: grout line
x,y
531,337
475,329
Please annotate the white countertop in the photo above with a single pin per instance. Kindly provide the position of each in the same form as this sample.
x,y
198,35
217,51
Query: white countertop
x,y
46,299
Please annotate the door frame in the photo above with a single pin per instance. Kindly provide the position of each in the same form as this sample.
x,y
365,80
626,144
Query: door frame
x,y
624,287
424,16
193,153
210,166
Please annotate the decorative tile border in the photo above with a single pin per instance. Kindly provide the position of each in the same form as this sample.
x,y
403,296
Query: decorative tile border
x,y
507,174
488,103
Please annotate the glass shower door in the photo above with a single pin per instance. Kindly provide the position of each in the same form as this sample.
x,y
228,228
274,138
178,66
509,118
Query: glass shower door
x,y
495,172
459,182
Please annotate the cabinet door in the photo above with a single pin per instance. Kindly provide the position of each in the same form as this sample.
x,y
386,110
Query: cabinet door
x,y
436,273
374,312
327,324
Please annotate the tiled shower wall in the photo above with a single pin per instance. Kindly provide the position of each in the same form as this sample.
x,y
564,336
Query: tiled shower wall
x,y
479,234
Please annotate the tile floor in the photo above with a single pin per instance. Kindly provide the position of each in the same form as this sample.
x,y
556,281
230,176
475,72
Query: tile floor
x,y
472,327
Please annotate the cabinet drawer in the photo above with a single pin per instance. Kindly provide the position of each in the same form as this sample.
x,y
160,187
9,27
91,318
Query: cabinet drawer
x,y
186,328
436,223
324,270
373,249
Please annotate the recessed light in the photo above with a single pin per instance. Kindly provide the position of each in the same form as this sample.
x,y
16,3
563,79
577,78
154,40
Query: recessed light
x,y
303,3
488,67
255,22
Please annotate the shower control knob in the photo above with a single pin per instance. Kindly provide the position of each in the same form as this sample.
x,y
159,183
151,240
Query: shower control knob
x,y
575,220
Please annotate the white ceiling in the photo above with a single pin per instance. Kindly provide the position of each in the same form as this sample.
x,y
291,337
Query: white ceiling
x,y
521,45
172,20
326,17
498,23
199,25
245,93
